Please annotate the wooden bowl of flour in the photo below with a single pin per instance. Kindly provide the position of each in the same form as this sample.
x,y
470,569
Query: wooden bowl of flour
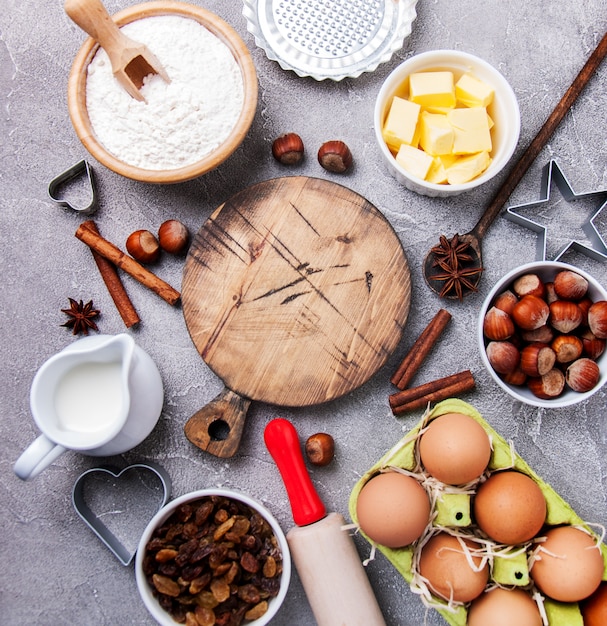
x,y
184,128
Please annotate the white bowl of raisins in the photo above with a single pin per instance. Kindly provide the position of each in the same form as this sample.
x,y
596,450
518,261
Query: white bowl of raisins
x,y
213,556
542,333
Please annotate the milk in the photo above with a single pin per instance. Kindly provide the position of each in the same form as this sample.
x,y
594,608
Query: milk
x,y
89,397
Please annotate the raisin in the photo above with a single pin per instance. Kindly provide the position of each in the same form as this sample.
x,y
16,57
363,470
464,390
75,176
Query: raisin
x,y
204,616
223,528
190,572
199,583
203,512
166,585
261,608
249,594
184,512
269,567
220,589
169,569
166,554
249,563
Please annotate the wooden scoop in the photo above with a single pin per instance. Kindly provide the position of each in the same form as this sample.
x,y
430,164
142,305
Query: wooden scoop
x,y
473,238
131,61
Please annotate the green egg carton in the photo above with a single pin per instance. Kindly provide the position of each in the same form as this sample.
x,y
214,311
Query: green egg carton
x,y
453,510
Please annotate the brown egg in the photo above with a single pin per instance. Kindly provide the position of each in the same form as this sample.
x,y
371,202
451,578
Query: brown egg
x,y
510,507
455,449
568,566
504,607
444,564
393,509
594,608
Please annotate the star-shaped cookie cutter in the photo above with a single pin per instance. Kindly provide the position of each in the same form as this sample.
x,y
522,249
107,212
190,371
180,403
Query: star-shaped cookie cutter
x,y
552,173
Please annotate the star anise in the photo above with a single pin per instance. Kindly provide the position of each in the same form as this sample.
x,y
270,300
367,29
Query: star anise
x,y
81,317
452,251
456,279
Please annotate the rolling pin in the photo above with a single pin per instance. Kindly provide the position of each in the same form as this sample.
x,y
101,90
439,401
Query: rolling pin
x,y
324,554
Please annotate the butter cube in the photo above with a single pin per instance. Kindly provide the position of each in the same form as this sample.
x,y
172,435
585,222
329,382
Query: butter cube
x,y
432,89
432,109
401,124
415,161
471,130
472,92
437,173
435,134
468,167
448,159
438,170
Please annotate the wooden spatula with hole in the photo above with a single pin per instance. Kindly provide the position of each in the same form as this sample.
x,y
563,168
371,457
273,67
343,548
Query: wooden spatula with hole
x,y
131,61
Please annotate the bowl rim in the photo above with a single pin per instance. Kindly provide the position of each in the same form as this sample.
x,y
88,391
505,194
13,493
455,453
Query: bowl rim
x,y
569,397
76,93
443,58
159,614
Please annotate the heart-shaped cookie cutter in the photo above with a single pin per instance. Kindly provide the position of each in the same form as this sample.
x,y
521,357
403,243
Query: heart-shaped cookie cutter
x,y
94,521
72,173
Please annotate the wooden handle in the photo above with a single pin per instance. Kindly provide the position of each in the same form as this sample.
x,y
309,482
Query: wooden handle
x,y
283,444
93,18
541,139
217,427
332,575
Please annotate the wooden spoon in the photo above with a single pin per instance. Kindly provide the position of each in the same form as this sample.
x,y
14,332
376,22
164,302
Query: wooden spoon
x,y
131,61
473,265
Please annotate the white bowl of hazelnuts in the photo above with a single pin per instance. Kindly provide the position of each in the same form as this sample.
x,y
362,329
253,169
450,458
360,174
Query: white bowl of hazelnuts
x,y
542,334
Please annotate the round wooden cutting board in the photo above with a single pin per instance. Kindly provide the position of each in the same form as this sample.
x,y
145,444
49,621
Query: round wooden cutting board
x,y
295,292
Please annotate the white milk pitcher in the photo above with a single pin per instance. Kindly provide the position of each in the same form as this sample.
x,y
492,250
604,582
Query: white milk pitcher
x,y
101,396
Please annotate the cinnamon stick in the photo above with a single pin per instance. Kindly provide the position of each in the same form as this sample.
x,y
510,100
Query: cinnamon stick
x,y
129,265
114,285
434,391
420,349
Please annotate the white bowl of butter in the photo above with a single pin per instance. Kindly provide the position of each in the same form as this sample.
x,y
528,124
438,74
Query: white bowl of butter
x,y
446,122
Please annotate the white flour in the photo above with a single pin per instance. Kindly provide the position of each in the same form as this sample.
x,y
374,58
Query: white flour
x,y
181,121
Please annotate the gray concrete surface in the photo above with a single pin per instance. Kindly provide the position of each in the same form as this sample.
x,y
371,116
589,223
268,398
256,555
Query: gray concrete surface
x,y
54,570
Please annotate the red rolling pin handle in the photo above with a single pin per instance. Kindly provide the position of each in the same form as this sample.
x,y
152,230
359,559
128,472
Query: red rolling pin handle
x,y
283,444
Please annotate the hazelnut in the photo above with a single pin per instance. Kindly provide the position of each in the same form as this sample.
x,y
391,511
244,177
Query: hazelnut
x,y
335,156
548,386
320,449
537,359
503,356
143,246
173,236
505,301
565,315
570,285
584,304
497,325
516,377
530,312
567,348
593,346
583,375
550,295
529,284
288,149
543,334
597,319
